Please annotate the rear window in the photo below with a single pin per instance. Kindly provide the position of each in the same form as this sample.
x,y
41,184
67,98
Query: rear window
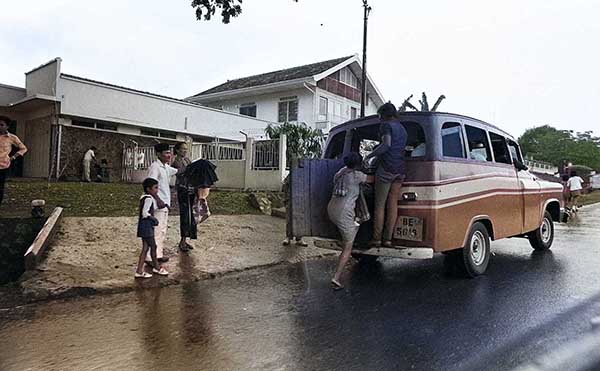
x,y
366,138
335,148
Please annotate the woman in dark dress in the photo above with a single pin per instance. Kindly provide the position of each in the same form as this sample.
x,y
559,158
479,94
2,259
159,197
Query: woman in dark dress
x,y
186,198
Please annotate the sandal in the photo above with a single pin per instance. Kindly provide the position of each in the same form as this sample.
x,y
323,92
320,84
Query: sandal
x,y
143,275
160,272
189,246
387,244
336,285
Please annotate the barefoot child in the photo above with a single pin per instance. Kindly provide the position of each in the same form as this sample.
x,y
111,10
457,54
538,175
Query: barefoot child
x,y
145,229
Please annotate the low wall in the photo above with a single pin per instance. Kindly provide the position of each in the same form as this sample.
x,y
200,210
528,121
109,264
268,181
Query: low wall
x,y
16,235
231,174
264,180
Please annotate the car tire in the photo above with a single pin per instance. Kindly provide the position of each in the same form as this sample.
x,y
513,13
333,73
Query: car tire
x,y
474,258
542,238
364,258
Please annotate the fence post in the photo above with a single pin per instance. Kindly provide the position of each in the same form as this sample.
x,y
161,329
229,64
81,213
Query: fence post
x,y
282,156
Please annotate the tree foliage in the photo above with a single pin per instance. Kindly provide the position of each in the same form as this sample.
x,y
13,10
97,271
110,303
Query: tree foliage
x,y
549,144
302,141
206,9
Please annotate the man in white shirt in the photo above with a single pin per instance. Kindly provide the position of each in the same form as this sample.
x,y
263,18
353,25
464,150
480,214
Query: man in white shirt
x,y
162,172
575,186
89,156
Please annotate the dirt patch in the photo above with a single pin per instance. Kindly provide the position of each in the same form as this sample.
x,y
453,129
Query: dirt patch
x,y
92,255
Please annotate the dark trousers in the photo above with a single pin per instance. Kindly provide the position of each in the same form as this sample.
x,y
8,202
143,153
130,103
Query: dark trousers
x,y
187,224
3,176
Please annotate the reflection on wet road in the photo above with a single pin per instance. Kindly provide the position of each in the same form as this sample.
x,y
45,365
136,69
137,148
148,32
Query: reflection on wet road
x,y
393,315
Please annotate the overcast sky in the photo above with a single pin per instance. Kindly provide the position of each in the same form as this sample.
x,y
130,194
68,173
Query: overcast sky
x,y
515,63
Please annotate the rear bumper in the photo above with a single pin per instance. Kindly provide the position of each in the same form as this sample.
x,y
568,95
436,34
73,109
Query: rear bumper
x,y
392,252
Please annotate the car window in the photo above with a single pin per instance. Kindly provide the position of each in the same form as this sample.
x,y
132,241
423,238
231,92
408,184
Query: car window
x,y
335,148
500,149
452,140
366,138
479,146
514,151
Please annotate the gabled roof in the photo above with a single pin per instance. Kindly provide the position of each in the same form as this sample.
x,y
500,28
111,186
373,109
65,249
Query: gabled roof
x,y
288,74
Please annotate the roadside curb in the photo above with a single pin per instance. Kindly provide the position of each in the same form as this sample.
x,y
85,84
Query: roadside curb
x,y
34,254
38,295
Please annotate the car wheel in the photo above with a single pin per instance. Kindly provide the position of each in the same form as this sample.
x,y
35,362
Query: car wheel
x,y
542,238
474,257
365,259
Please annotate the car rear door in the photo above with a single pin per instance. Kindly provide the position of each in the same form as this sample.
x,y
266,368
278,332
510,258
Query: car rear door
x,y
311,186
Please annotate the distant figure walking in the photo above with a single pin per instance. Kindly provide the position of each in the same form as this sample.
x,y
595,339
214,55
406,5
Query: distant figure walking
x,y
341,208
145,229
88,158
575,186
8,142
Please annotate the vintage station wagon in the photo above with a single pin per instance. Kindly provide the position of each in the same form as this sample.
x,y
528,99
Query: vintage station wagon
x,y
465,186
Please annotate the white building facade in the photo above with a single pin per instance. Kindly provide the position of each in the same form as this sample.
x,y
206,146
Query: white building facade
x,y
59,116
322,95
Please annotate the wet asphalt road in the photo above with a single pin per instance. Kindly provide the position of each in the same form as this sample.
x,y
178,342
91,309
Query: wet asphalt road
x,y
396,314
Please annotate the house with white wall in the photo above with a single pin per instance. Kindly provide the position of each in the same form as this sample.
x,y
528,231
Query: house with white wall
x,y
322,95
59,116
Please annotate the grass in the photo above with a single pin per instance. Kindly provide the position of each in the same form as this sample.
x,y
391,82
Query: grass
x,y
591,198
100,199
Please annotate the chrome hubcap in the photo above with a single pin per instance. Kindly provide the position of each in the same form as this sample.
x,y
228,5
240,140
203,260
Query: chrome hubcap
x,y
478,248
546,230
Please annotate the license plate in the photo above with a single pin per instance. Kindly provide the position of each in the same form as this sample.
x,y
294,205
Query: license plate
x,y
409,228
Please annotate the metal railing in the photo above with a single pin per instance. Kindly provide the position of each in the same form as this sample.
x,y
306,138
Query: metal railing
x,y
265,155
136,158
218,151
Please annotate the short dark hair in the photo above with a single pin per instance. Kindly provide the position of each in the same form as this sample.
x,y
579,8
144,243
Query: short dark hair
x,y
161,147
5,119
178,145
573,173
387,110
353,160
93,148
149,182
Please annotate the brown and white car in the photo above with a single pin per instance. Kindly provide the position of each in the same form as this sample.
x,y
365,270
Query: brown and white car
x,y
465,186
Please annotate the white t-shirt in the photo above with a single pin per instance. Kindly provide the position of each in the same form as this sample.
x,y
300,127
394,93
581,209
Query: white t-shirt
x,y
162,173
575,183
89,155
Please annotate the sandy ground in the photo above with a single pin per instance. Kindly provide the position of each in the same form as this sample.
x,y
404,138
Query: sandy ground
x,y
93,255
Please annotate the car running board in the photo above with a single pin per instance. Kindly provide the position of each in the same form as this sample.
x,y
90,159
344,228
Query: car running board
x,y
392,252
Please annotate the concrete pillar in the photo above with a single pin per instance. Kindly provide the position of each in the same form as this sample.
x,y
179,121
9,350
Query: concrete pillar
x,y
282,157
249,160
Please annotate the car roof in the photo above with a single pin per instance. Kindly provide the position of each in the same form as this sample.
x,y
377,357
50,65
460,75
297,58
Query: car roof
x,y
354,122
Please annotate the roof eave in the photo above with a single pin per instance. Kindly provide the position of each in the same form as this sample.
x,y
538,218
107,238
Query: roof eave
x,y
254,90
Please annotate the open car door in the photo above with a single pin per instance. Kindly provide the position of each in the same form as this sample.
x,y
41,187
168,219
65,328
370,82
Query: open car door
x,y
311,186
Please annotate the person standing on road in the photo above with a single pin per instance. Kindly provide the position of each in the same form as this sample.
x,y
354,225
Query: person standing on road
x,y
161,171
8,141
575,186
88,158
389,175
341,208
186,198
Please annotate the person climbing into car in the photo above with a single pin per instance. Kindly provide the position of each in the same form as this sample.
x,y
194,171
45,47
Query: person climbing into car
x,y
389,175
341,208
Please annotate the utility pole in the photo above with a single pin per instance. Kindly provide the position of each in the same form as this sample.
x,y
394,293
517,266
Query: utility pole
x,y
363,93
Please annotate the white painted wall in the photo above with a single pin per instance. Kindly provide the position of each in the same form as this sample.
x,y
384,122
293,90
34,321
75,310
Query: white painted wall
x,y
42,80
100,102
10,94
267,105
